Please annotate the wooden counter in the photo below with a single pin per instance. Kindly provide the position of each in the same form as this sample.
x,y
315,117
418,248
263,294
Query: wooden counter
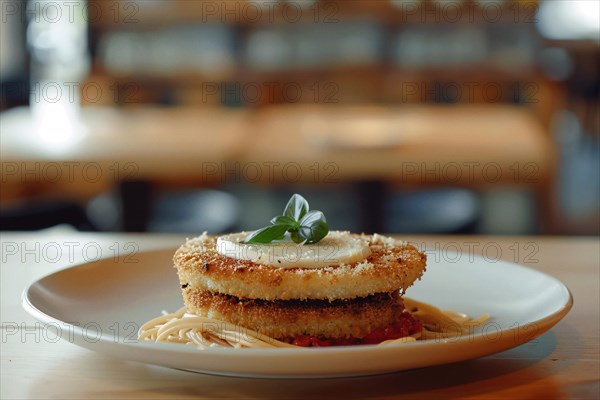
x,y
563,363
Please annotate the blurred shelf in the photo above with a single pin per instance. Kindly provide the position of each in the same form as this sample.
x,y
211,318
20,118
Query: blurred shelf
x,y
135,15
477,83
191,77
359,47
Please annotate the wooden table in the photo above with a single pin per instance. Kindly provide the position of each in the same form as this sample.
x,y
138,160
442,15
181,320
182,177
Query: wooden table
x,y
475,146
478,146
157,144
563,363
125,151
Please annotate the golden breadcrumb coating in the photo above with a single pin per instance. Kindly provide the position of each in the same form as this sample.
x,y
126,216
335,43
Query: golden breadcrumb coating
x,y
392,266
290,318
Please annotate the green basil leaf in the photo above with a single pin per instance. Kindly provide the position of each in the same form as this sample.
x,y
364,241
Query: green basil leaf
x,y
267,234
314,233
313,227
296,238
312,217
285,220
296,207
304,226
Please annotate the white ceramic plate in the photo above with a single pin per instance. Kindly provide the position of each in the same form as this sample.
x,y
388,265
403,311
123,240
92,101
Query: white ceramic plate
x,y
100,306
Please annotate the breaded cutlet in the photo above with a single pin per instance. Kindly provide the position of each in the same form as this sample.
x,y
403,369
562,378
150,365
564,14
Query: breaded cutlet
x,y
336,301
392,265
291,318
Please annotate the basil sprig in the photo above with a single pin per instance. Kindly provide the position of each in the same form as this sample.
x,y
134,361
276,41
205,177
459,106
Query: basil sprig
x,y
304,226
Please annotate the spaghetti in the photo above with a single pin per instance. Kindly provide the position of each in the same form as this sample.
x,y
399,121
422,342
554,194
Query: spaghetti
x,y
181,327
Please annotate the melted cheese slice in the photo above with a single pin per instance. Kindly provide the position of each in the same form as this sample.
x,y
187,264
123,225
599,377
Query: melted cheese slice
x,y
335,249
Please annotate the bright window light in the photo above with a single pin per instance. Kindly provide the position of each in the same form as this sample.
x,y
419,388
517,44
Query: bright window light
x,y
569,19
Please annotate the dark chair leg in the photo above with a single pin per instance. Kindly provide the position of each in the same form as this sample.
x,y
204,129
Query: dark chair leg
x,y
372,199
136,200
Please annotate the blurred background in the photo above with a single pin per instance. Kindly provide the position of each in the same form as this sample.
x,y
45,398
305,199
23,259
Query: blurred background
x,y
402,116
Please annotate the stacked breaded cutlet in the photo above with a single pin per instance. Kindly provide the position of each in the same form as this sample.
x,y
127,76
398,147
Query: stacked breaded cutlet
x,y
343,301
